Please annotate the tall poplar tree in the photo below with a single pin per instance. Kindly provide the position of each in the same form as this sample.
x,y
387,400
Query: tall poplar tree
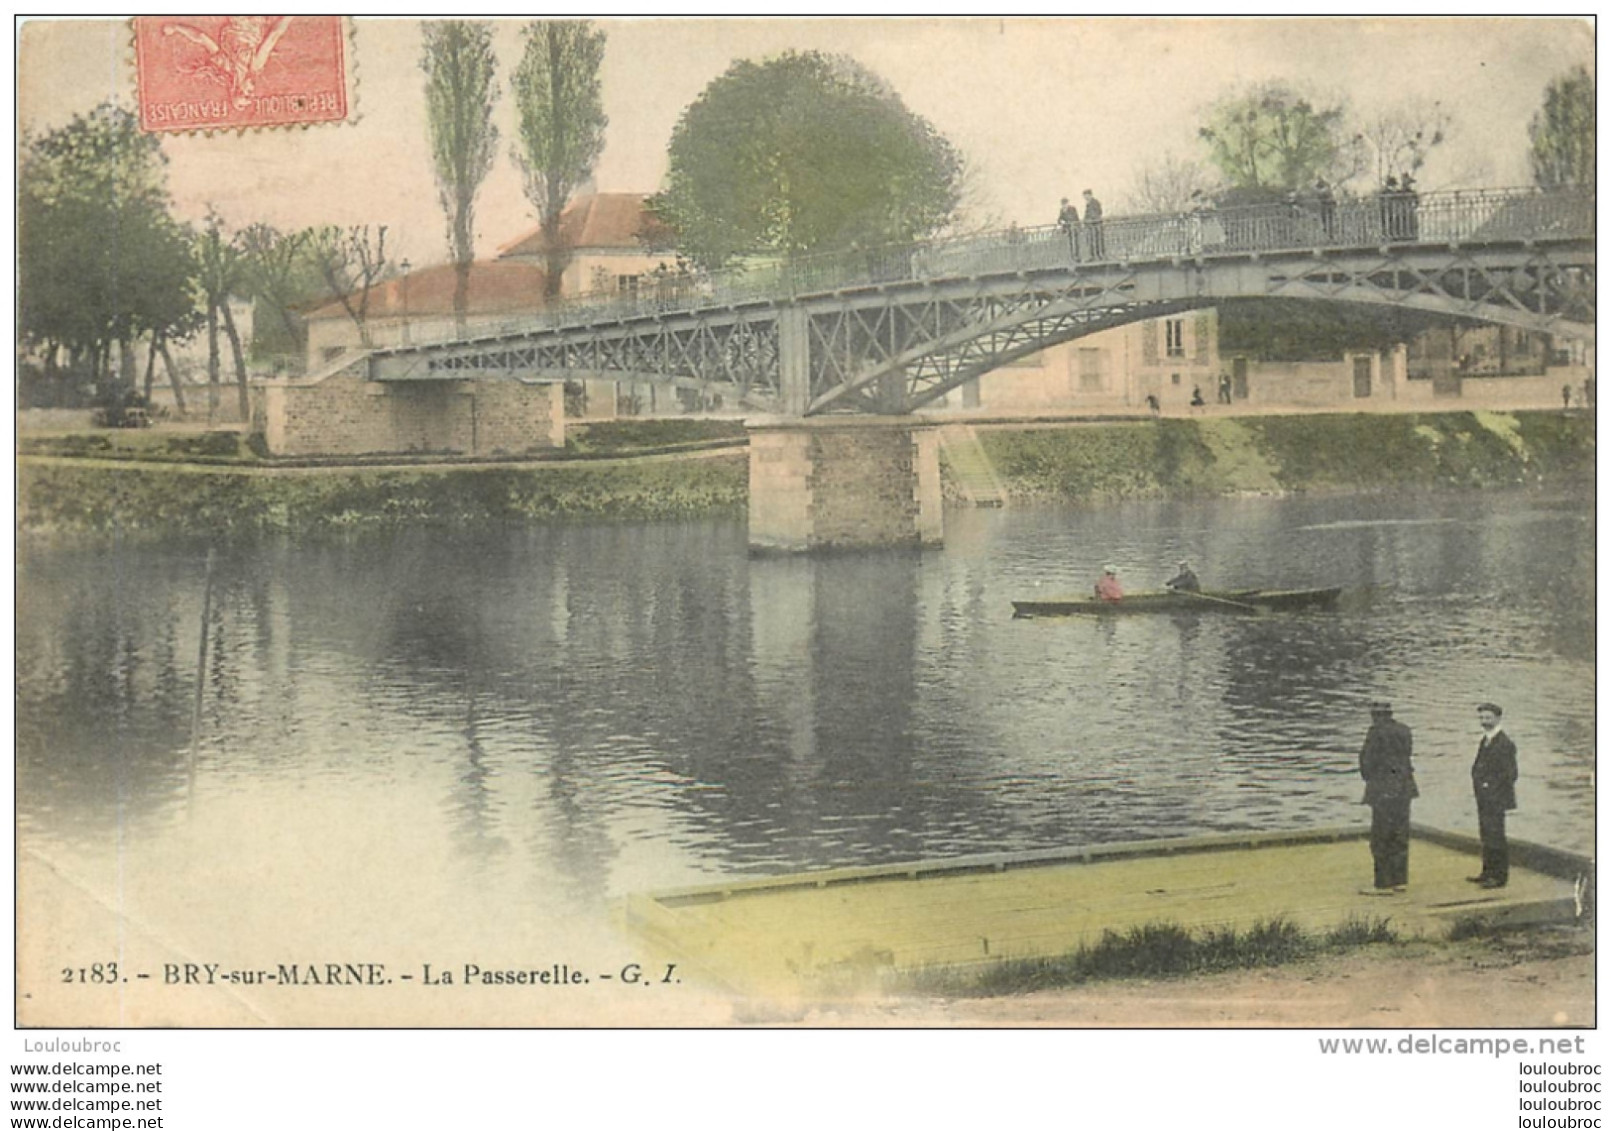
x,y
562,121
1562,133
459,93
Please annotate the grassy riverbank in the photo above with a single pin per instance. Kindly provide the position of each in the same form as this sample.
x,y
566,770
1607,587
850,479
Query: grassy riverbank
x,y
221,484
1154,950
1539,977
1215,456
85,496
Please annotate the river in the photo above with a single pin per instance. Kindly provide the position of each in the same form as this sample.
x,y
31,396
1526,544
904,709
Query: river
x,y
443,736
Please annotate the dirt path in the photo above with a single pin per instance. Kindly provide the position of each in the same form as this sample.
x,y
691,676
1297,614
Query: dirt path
x,y
1532,981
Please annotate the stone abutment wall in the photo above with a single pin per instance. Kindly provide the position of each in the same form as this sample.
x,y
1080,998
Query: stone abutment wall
x,y
347,415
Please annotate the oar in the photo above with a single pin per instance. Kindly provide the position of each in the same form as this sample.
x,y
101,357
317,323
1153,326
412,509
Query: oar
x,y
1246,608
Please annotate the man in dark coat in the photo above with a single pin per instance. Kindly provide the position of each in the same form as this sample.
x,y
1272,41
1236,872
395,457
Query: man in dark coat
x,y
1328,208
1493,778
1068,218
1384,763
1095,246
1185,579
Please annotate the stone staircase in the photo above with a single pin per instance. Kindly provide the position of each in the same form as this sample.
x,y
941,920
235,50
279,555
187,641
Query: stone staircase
x,y
971,473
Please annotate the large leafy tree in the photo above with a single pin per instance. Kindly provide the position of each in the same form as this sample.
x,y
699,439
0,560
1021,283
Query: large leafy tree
x,y
1562,132
800,153
101,261
1275,329
1269,139
459,93
561,109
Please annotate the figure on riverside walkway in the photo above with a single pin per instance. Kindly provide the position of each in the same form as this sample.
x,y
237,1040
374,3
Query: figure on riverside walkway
x,y
1068,218
1185,580
1224,388
1384,763
1107,586
1197,397
1095,246
1493,779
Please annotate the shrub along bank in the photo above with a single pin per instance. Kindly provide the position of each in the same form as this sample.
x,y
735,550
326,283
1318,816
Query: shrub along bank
x,y
1212,456
65,495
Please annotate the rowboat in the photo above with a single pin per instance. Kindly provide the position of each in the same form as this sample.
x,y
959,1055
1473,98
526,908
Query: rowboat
x,y
1172,601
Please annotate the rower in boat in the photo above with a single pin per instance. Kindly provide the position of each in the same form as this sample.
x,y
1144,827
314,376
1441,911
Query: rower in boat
x,y
1184,581
1107,586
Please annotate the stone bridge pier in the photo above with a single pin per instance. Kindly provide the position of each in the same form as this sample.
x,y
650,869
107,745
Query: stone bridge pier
x,y
843,483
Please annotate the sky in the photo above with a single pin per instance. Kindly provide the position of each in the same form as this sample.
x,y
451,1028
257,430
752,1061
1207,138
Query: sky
x,y
1041,108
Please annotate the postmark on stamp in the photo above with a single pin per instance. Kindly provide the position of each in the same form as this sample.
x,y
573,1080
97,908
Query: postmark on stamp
x,y
240,72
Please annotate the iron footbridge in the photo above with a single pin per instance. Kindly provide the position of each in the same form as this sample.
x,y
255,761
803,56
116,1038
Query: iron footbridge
x,y
889,330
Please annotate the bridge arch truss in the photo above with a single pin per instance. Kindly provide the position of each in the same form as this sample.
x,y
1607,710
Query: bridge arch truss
x,y
910,325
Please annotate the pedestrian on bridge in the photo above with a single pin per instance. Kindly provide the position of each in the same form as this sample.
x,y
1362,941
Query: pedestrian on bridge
x,y
1095,246
1392,203
1068,218
1328,208
1196,208
1411,205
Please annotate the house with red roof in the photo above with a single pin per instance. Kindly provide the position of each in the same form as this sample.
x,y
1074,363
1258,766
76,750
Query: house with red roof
x,y
614,242
614,239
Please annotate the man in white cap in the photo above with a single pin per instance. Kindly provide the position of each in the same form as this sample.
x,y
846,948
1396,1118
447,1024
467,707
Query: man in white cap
x,y
1107,586
1185,580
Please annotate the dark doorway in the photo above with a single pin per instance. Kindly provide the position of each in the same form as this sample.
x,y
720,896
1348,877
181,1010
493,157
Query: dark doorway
x,y
1362,376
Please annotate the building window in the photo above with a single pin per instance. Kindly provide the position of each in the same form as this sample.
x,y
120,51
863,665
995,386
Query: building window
x,y
1090,371
1174,378
1175,337
627,285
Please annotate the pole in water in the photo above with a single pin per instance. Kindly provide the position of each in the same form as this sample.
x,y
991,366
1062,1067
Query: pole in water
x,y
201,676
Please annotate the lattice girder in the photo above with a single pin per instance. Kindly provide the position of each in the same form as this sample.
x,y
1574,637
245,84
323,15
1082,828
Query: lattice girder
x,y
893,347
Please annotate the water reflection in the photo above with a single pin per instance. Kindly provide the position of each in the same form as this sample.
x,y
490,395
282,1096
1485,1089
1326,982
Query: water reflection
x,y
555,715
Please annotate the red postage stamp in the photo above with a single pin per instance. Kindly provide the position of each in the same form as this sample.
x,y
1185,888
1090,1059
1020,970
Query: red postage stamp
x,y
240,72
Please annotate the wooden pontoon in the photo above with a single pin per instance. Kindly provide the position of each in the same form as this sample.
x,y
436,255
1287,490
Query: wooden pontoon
x,y
818,932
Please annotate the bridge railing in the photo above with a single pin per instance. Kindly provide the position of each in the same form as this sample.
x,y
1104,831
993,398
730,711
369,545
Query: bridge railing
x,y
1460,216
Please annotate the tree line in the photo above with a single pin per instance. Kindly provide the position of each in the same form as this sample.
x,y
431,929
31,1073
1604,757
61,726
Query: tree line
x,y
1270,140
797,154
106,269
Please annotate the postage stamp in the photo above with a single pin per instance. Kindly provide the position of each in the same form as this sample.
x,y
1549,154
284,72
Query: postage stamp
x,y
240,72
